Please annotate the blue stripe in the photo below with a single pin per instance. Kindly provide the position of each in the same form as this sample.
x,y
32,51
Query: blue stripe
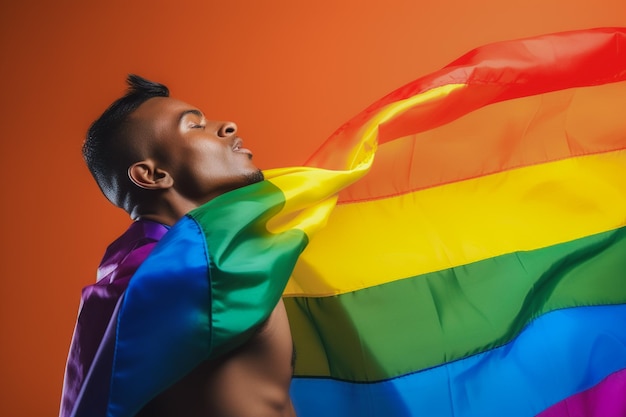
x,y
557,355
163,326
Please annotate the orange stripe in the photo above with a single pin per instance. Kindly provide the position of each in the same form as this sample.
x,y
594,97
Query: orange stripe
x,y
499,137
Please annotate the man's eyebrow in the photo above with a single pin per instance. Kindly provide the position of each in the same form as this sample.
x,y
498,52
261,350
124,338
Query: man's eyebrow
x,y
190,111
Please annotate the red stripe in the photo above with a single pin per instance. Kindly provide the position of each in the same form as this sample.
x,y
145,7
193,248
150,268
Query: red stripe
x,y
525,67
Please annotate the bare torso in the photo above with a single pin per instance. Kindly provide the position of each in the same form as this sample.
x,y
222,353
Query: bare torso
x,y
251,381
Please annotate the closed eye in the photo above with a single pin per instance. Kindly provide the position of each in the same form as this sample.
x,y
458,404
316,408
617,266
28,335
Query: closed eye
x,y
198,126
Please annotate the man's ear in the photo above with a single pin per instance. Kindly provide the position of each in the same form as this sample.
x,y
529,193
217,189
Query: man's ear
x,y
145,174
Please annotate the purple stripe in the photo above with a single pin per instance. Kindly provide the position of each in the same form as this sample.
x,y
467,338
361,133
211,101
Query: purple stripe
x,y
606,399
98,312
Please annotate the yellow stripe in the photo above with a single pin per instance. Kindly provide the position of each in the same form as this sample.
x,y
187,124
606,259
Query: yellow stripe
x,y
370,243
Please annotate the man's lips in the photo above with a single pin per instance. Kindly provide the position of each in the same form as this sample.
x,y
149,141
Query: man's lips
x,y
237,147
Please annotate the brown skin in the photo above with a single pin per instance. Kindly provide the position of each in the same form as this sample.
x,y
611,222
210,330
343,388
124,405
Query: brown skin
x,y
187,161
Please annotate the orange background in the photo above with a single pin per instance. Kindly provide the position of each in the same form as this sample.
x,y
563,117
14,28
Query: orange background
x,y
287,71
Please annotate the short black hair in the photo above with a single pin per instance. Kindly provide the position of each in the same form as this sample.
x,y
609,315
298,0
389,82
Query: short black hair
x,y
105,148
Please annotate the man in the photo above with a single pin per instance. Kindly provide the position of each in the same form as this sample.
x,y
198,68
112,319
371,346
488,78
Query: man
x,y
159,158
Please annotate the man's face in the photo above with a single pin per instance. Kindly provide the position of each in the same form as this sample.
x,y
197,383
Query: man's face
x,y
205,158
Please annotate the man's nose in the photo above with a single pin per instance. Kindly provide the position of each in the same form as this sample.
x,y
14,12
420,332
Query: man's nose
x,y
227,129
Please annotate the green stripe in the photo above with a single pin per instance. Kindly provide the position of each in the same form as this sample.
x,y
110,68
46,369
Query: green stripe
x,y
420,322
249,267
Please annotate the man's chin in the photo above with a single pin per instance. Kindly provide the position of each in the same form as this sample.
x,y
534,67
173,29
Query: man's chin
x,y
254,177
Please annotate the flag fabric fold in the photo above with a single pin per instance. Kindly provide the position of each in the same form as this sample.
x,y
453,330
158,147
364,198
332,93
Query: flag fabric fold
x,y
456,249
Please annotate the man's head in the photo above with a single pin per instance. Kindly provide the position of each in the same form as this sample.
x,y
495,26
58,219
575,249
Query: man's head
x,y
156,156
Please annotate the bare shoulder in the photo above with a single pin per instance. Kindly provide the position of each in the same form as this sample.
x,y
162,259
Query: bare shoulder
x,y
252,380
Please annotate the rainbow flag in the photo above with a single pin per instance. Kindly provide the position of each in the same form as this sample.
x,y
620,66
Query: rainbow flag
x,y
479,268
457,249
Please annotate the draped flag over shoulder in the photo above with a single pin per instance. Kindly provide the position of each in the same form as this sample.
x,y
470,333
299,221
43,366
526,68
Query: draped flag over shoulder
x,y
468,258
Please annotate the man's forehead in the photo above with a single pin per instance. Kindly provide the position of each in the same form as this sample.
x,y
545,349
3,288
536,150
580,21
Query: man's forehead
x,y
158,116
